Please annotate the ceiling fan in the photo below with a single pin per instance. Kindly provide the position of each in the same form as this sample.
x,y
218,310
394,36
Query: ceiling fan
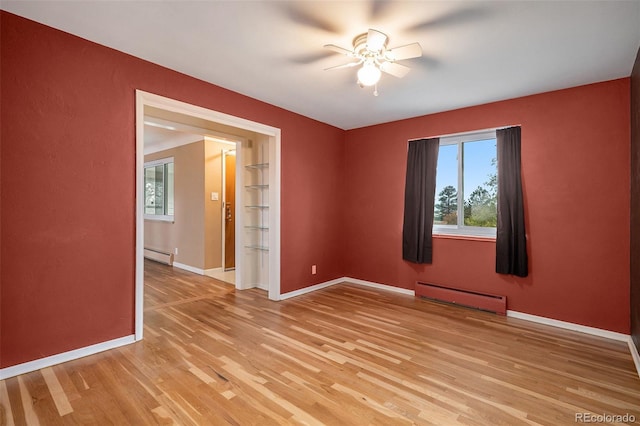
x,y
370,51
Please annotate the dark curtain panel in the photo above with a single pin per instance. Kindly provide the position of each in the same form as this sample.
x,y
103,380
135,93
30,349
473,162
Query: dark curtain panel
x,y
511,244
419,198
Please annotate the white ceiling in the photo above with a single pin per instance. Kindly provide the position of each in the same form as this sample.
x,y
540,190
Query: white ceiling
x,y
166,129
474,52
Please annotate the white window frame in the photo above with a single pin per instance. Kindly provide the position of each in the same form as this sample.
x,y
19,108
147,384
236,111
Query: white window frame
x,y
461,229
159,162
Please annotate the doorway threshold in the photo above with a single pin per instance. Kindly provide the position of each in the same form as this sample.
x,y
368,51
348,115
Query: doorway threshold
x,y
224,276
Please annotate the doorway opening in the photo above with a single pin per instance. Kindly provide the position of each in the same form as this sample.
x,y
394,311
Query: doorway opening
x,y
254,254
229,206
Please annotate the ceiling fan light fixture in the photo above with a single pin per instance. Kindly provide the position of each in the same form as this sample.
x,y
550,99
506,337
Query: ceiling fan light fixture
x,y
370,50
369,74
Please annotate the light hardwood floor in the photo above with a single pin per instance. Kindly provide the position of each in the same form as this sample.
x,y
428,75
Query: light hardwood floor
x,y
345,355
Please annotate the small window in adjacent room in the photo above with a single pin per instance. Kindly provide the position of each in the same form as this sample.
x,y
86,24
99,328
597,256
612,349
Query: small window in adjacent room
x,y
158,189
466,185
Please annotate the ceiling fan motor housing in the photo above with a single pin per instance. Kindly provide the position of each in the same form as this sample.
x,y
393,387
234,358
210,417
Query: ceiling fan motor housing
x,y
362,48
370,50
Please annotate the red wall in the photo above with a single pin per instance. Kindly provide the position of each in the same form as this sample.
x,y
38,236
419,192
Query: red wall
x,y
68,172
635,202
68,215
575,166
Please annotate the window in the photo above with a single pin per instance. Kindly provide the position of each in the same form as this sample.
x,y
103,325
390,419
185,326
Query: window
x,y
466,185
158,189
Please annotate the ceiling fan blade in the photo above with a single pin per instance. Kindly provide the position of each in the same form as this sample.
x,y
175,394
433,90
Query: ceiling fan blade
x,y
408,51
310,57
456,17
307,19
394,69
379,9
339,49
347,65
376,40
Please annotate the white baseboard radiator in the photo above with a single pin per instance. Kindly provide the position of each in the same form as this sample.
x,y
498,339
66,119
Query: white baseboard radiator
x,y
158,256
469,298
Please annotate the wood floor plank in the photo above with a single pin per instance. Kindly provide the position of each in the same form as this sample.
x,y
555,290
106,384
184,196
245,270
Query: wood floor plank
x,y
31,418
344,355
57,393
6,413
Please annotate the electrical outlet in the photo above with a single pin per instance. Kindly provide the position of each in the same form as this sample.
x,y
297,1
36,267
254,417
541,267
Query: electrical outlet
x,y
313,269
175,250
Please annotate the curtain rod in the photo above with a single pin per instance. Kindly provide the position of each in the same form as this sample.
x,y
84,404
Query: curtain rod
x,y
465,133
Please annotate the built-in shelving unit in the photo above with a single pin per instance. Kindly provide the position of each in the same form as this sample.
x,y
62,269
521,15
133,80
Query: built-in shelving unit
x,y
258,195
256,214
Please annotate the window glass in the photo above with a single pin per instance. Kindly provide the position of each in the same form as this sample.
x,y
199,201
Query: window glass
x,y
480,183
169,188
446,205
466,185
158,189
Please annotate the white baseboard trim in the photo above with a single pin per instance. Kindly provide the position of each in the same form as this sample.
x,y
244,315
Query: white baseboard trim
x,y
37,364
346,280
311,289
570,326
513,314
188,268
379,286
634,354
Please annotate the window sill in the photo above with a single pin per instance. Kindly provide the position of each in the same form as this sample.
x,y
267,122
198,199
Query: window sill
x,y
159,218
465,237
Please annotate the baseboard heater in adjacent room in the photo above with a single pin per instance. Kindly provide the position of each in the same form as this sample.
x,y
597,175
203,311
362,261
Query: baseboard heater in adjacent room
x,y
159,256
469,298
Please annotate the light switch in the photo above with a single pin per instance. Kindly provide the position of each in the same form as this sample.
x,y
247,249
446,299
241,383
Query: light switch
x,y
214,196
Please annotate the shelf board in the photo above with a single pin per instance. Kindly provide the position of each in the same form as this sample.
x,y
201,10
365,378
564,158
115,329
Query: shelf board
x,y
257,207
257,166
262,228
263,186
262,248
